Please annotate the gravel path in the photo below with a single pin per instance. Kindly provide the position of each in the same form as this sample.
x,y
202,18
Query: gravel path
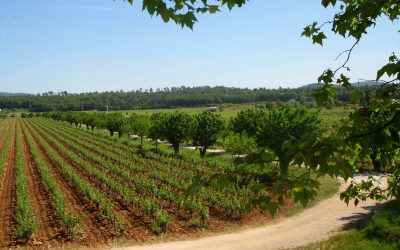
x,y
313,224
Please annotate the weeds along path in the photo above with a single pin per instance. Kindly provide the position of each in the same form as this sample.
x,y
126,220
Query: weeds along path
x,y
41,200
313,224
74,200
7,190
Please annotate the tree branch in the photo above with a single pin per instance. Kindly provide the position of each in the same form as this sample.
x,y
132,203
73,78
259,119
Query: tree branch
x,y
396,115
349,51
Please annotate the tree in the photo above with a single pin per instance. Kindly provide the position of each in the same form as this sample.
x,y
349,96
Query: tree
x,y
206,129
100,121
89,120
156,128
247,121
376,121
284,125
140,126
176,128
70,118
239,144
375,124
114,122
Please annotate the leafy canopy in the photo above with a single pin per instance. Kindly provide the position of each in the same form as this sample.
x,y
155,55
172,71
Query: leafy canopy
x,y
183,12
372,132
247,121
376,121
287,124
207,127
176,128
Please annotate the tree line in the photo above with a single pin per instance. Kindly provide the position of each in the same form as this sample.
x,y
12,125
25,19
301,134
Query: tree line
x,y
201,129
272,141
162,98
265,129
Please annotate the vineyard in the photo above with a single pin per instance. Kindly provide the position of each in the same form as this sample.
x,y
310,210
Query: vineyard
x,y
60,183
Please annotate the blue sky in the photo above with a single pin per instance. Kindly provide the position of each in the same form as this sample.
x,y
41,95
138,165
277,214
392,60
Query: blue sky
x,y
100,45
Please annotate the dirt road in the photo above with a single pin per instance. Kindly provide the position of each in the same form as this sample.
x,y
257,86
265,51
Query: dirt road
x,y
313,224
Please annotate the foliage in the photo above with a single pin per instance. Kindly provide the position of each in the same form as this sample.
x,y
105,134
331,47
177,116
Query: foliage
x,y
82,184
247,121
385,224
283,126
141,126
26,222
68,220
183,12
156,129
149,184
138,125
4,151
206,129
238,144
89,120
371,133
115,122
373,129
173,97
176,128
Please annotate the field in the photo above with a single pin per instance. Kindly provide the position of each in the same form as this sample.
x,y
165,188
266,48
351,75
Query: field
x,y
228,111
61,184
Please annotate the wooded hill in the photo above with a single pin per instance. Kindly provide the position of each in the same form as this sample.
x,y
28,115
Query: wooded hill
x,y
161,98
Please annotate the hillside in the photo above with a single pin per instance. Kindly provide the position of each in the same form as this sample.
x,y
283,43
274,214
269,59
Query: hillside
x,y
12,94
160,98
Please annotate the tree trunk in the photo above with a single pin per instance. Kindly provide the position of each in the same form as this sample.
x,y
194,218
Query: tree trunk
x,y
141,141
375,161
203,152
176,148
284,166
111,133
156,143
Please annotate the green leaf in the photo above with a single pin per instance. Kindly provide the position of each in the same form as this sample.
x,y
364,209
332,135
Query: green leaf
x,y
344,81
390,69
319,38
213,9
325,3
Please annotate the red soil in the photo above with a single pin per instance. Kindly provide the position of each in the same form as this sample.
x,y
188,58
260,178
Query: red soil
x,y
7,195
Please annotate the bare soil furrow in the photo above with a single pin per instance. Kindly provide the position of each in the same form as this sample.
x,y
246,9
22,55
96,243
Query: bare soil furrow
x,y
7,196
49,230
136,227
90,219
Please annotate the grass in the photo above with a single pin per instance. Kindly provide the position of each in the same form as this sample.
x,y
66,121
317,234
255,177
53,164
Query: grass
x,y
380,231
228,111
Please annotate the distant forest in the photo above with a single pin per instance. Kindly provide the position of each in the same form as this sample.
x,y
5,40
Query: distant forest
x,y
162,98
